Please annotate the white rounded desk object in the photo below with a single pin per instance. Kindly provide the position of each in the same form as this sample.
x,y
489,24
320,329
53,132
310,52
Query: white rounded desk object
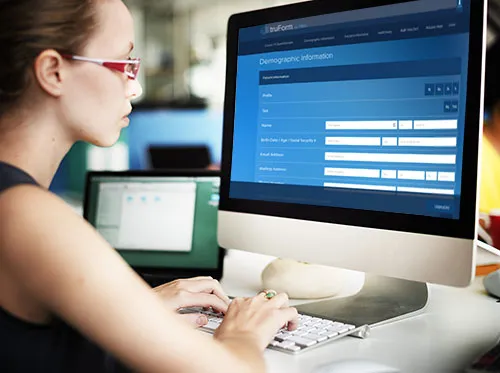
x,y
305,281
492,283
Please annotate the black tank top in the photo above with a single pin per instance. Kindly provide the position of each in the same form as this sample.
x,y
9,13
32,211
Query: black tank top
x,y
52,348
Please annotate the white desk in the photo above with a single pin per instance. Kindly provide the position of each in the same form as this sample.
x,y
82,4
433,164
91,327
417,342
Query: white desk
x,y
457,326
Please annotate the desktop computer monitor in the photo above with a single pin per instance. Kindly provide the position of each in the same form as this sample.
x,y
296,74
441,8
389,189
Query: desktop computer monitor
x,y
351,135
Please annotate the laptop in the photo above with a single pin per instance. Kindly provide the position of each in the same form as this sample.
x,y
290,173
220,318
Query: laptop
x,y
163,222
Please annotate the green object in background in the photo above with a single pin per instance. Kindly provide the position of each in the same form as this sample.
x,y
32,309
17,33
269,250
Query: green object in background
x,y
76,169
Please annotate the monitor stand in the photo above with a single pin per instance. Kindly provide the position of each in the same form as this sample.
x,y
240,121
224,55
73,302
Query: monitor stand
x,y
381,300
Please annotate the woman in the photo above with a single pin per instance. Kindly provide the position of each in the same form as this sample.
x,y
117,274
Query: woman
x,y
65,295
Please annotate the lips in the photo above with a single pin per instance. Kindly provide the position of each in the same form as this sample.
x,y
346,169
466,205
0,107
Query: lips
x,y
128,111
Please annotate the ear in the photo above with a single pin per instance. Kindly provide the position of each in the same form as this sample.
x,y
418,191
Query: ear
x,y
48,72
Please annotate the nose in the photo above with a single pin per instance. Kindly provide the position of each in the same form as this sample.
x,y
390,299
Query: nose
x,y
134,89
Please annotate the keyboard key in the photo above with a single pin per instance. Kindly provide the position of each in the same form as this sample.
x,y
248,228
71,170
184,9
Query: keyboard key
x,y
320,331
326,323
282,337
312,330
212,325
302,342
300,333
330,334
342,328
286,344
313,324
316,337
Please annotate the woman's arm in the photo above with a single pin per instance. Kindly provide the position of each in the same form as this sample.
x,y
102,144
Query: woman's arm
x,y
65,265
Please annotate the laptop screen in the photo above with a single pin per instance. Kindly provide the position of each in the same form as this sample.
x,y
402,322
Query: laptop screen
x,y
157,221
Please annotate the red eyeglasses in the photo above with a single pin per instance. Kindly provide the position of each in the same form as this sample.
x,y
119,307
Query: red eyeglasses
x,y
128,67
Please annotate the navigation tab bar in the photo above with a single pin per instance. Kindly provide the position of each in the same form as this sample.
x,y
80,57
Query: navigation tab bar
x,y
359,34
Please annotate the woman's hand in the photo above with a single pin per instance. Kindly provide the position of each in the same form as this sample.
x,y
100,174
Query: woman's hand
x,y
258,317
194,292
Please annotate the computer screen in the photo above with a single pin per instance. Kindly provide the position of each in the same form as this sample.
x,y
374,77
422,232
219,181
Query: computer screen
x,y
167,127
157,221
376,106
365,117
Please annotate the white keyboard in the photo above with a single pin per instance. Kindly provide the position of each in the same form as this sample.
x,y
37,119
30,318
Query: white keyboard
x,y
311,332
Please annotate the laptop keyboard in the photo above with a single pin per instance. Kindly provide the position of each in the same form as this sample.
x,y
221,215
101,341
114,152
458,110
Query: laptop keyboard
x,y
311,332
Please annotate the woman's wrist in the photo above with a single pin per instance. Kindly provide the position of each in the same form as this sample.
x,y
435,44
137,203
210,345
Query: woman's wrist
x,y
246,348
247,337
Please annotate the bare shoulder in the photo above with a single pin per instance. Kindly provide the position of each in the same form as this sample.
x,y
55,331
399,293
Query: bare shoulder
x,y
32,215
16,199
47,244
27,207
17,205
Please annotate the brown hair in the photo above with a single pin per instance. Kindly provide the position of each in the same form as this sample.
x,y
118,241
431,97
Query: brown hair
x,y
27,28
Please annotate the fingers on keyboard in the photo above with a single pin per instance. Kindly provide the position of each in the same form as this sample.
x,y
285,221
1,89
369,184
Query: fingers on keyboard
x,y
307,331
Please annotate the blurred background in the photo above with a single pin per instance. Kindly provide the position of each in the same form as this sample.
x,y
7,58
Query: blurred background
x,y
182,46
178,120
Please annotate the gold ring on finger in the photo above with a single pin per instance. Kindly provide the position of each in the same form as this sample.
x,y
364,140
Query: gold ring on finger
x,y
269,293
